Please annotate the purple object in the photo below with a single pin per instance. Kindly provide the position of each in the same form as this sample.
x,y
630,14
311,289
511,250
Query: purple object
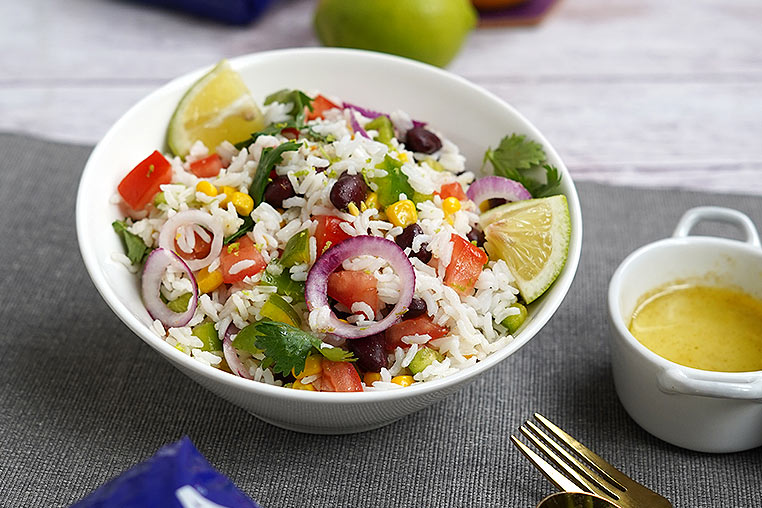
x,y
233,12
525,13
177,476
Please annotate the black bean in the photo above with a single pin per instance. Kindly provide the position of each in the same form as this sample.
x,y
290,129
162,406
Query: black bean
x,y
278,190
405,239
422,140
348,189
493,202
424,254
370,353
476,235
416,308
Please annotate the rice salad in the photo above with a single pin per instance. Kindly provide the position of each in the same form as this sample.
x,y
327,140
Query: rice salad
x,y
336,249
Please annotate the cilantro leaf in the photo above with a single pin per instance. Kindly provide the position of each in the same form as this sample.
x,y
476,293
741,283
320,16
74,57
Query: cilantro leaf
x,y
515,155
286,346
298,100
248,225
134,247
267,161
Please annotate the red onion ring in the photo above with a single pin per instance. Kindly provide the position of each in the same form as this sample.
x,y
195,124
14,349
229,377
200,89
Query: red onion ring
x,y
231,356
153,270
191,217
316,291
491,187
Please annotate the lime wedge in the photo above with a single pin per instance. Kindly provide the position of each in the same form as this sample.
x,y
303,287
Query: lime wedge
x,y
216,108
532,237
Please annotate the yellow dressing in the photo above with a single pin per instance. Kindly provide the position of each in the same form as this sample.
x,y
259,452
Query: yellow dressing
x,y
704,327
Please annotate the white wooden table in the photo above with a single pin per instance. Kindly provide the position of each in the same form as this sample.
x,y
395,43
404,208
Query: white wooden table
x,y
634,92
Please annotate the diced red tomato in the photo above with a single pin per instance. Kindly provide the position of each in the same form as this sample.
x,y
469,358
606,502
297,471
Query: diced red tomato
x,y
207,167
290,132
328,232
350,286
454,190
465,265
200,250
142,183
319,106
421,325
241,250
339,377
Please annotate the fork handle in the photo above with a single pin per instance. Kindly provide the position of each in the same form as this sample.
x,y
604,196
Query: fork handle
x,y
741,386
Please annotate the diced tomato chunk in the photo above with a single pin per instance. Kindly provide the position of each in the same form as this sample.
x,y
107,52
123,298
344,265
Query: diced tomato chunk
x,y
339,377
200,250
142,183
319,106
465,265
328,232
421,325
207,167
350,286
290,132
244,251
452,190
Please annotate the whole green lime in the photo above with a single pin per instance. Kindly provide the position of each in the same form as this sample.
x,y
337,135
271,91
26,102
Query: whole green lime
x,y
431,31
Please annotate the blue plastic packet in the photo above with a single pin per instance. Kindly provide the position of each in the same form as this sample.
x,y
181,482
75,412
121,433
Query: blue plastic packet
x,y
177,476
234,12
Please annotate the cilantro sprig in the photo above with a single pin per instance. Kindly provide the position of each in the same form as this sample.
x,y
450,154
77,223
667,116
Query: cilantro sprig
x,y
134,247
298,100
286,346
517,157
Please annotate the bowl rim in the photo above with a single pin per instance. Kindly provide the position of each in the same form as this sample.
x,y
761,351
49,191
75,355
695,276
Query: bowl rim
x,y
615,290
556,295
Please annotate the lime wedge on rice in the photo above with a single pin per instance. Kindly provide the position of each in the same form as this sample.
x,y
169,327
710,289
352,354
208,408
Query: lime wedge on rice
x,y
532,237
216,108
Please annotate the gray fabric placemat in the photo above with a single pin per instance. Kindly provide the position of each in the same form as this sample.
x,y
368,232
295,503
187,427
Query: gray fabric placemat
x,y
82,399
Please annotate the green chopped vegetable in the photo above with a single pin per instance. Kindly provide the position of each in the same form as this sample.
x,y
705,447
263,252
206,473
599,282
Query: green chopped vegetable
x,y
514,321
516,157
423,358
208,335
285,285
383,125
180,304
299,101
287,346
134,247
297,249
393,184
267,161
278,309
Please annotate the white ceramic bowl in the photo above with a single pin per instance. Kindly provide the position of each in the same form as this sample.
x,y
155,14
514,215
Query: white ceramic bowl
x,y
695,409
467,114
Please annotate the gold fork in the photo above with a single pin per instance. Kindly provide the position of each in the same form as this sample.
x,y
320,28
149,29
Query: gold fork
x,y
581,470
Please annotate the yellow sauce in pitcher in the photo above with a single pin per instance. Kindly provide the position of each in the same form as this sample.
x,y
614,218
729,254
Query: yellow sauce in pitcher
x,y
704,327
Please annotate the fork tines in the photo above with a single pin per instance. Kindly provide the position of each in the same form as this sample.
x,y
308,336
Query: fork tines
x,y
576,468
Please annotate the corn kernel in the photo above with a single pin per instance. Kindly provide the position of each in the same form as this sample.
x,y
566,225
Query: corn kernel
x,y
372,200
402,213
311,367
208,281
242,203
206,188
403,380
402,157
228,191
371,377
450,205
298,385
353,209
